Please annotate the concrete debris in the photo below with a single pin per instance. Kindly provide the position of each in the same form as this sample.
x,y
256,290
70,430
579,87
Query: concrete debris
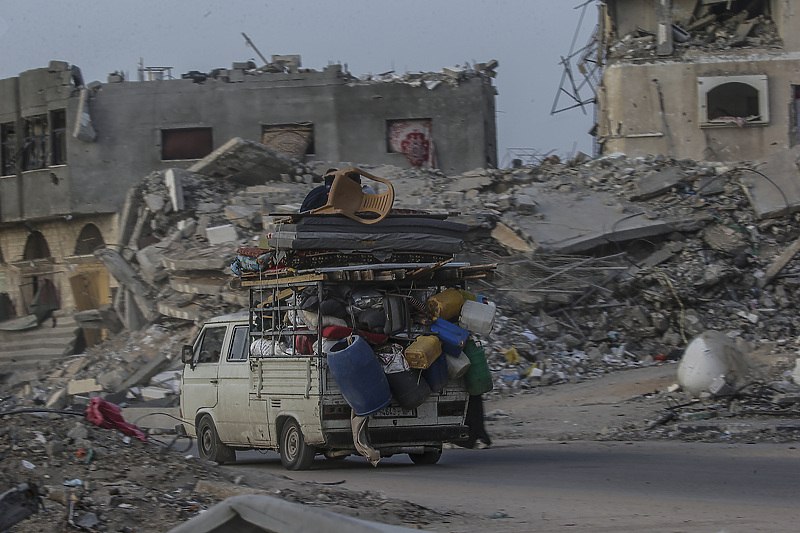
x,y
773,184
652,273
711,29
94,479
430,80
245,162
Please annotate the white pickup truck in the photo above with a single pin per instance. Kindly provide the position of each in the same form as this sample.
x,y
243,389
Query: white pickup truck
x,y
231,400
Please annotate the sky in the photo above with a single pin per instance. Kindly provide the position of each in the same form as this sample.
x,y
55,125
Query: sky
x,y
527,37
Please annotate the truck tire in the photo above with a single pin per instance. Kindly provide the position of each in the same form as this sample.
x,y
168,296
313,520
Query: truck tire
x,y
426,458
209,446
295,453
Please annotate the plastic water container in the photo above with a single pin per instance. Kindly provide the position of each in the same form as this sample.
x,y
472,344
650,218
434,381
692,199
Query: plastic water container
x,y
436,374
360,376
447,304
453,337
408,388
423,351
457,366
477,317
478,379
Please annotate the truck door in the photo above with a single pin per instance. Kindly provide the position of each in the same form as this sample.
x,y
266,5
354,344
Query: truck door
x,y
233,420
201,378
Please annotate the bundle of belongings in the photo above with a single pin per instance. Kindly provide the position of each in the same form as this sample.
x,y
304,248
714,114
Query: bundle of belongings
x,y
388,308
418,338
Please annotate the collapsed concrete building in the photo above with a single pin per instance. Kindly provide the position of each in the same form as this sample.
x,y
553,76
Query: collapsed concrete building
x,y
70,151
715,80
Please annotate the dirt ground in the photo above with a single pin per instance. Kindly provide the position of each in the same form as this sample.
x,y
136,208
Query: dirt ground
x,y
126,485
584,410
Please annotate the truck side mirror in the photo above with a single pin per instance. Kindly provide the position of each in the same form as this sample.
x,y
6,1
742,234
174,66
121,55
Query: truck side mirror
x,y
187,354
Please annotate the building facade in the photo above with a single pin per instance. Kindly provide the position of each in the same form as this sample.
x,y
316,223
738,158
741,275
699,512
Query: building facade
x,y
706,80
70,151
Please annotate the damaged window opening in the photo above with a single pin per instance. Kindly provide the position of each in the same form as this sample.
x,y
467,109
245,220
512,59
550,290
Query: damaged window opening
x,y
753,8
58,121
8,149
733,100
89,240
186,143
295,140
36,247
34,151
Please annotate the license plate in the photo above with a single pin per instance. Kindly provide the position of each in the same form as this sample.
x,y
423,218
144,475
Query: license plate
x,y
395,412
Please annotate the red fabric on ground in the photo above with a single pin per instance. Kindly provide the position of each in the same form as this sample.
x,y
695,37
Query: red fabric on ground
x,y
108,415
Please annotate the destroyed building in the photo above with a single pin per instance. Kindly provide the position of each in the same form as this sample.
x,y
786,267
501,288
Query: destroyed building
x,y
712,80
71,150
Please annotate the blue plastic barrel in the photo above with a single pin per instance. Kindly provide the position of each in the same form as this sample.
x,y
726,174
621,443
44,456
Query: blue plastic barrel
x,y
359,375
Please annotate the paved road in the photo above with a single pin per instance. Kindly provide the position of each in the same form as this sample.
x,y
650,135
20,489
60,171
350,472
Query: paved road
x,y
586,486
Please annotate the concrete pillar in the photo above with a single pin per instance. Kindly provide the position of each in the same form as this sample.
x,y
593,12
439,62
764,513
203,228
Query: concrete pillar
x,y
664,27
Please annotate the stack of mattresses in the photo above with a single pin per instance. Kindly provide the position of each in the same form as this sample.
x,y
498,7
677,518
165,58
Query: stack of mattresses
x,y
393,233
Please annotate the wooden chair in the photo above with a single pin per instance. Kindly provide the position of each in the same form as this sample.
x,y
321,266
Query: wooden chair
x,y
346,197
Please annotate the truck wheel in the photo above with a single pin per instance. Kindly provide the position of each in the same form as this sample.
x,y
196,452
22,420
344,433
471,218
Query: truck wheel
x,y
426,458
209,446
295,453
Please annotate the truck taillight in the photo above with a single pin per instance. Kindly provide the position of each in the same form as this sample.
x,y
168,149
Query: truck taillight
x,y
336,412
450,408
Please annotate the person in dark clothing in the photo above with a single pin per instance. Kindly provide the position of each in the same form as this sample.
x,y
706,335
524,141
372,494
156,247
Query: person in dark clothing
x,y
318,196
474,420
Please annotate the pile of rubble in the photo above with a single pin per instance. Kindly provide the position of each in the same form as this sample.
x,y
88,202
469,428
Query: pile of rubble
x,y
431,80
81,477
708,29
668,250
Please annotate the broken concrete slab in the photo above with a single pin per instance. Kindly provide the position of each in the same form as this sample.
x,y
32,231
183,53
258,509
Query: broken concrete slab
x,y
246,162
774,188
123,273
470,182
144,373
154,202
276,194
242,215
129,215
579,223
221,234
658,182
208,258
83,386
173,178
190,312
505,236
199,283
104,317
151,263
57,400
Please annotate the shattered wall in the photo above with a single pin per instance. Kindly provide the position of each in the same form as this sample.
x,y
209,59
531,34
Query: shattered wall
x,y
70,151
655,109
722,87
62,238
